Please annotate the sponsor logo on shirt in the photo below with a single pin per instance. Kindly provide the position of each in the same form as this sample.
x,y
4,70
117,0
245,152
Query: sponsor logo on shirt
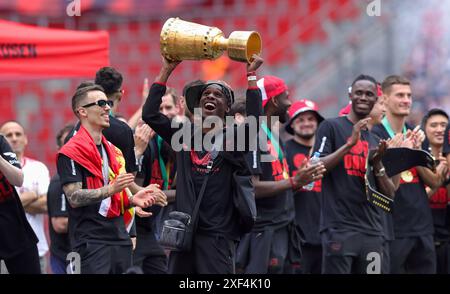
x,y
297,160
355,159
278,168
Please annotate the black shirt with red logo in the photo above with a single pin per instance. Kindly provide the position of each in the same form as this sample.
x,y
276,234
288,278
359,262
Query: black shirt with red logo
x,y
441,214
86,224
16,233
411,213
307,202
344,201
277,211
218,212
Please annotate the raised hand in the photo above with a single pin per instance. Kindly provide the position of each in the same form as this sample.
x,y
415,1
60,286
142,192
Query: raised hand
x,y
142,136
380,151
160,197
144,198
257,61
396,141
307,173
121,182
356,133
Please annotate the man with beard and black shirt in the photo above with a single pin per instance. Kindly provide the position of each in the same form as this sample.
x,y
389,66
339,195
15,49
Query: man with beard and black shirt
x,y
351,226
217,229
58,216
18,247
303,123
412,250
272,246
95,182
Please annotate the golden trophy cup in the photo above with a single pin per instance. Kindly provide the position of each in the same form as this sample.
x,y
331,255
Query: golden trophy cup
x,y
183,40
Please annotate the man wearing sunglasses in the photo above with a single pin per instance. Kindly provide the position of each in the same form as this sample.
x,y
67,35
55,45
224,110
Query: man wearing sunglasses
x,y
98,188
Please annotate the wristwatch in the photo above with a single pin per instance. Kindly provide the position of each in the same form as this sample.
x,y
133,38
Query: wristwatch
x,y
380,173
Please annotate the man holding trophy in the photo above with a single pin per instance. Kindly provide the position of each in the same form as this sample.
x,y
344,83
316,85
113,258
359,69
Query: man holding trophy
x,y
205,176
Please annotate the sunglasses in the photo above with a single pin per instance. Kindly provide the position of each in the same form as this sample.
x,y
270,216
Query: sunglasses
x,y
102,103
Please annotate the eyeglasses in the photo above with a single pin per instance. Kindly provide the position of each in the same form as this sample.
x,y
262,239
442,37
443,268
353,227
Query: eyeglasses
x,y
102,103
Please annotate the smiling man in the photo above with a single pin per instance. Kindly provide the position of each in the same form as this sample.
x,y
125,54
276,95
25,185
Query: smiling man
x,y
304,121
351,226
411,222
94,179
217,230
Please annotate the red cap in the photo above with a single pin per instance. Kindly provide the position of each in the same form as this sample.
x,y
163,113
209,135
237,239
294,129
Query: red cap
x,y
299,107
379,91
345,110
270,87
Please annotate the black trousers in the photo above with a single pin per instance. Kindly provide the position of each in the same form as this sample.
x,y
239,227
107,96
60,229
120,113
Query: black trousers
x,y
264,252
97,258
413,255
386,258
442,257
351,252
208,255
149,255
311,262
26,262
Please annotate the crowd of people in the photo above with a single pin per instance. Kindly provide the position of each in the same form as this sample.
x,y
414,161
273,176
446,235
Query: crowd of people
x,y
120,183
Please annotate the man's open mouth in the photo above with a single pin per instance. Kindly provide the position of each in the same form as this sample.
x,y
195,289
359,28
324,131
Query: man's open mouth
x,y
210,106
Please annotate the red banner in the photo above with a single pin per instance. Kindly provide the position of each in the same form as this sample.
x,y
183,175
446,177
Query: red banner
x,y
28,52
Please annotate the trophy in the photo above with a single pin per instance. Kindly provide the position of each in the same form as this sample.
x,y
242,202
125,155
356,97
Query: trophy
x,y
183,40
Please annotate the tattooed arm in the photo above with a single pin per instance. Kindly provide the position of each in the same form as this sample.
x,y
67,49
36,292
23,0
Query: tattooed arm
x,y
78,197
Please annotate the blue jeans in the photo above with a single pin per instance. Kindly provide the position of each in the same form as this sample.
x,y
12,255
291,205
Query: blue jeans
x,y
57,264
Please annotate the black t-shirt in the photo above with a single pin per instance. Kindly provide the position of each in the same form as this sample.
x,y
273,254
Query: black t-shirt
x,y
277,211
16,233
57,207
344,201
217,209
121,136
217,214
441,214
307,202
411,214
86,224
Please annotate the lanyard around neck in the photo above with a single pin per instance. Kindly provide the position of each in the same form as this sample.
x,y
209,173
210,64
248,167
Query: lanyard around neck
x,y
389,129
164,170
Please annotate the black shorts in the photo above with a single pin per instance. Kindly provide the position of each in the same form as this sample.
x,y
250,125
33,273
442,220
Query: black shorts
x,y
414,255
351,252
98,258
